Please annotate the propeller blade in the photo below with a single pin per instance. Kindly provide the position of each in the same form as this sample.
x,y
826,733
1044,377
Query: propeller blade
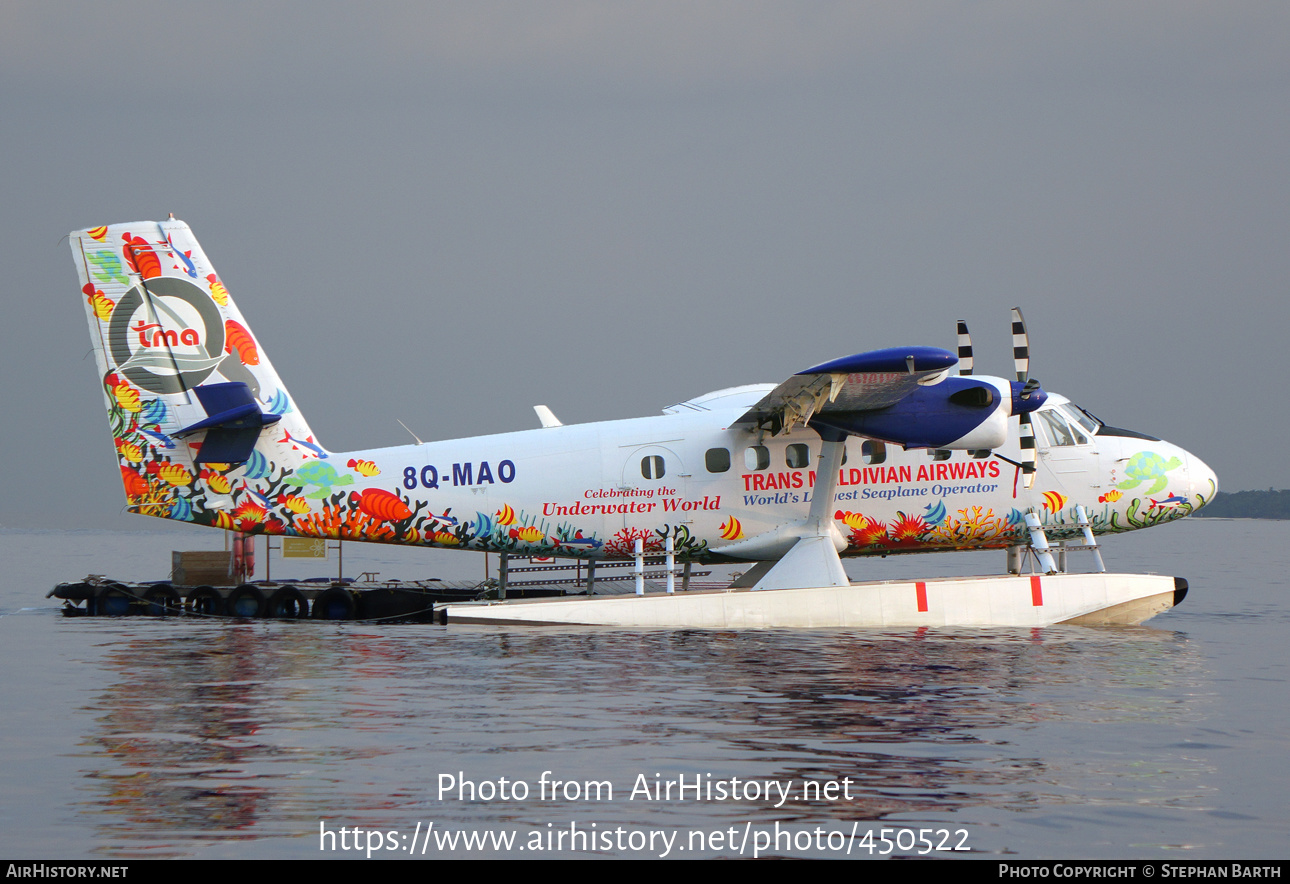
x,y
1020,345
965,350
1027,438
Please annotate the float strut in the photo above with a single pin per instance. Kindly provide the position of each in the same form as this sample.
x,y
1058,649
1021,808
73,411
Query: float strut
x,y
1089,540
1039,544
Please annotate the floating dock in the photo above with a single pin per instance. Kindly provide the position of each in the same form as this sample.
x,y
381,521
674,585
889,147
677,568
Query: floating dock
x,y
294,600
1029,600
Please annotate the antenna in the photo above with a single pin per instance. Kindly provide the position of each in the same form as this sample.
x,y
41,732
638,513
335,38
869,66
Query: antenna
x,y
409,429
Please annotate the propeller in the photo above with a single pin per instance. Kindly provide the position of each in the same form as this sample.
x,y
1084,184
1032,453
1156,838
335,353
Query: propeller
x,y
1021,359
1028,385
965,350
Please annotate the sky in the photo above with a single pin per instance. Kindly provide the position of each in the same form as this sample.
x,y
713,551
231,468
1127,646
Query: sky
x,y
445,213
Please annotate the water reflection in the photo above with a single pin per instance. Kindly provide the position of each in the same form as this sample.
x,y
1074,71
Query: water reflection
x,y
256,731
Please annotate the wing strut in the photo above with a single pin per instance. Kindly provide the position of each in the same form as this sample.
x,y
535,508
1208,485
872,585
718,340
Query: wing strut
x,y
813,561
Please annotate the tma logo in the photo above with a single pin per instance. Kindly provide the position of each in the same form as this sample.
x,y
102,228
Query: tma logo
x,y
166,335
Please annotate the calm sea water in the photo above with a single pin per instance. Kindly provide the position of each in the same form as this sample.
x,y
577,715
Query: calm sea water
x,y
136,738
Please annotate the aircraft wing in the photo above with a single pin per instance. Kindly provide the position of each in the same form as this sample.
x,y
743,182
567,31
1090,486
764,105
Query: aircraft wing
x,y
855,384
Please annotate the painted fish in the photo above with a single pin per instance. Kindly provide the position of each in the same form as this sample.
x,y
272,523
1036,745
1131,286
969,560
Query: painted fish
x,y
1109,497
135,484
506,515
98,233
307,443
297,505
257,467
446,538
279,403
129,451
99,302
850,519
364,468
153,412
381,504
216,482
732,529
171,473
237,338
1170,501
181,510
140,256
218,292
1054,501
127,397
186,257
579,543
527,534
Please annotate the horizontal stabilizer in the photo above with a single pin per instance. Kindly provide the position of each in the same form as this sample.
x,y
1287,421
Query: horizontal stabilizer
x,y
233,423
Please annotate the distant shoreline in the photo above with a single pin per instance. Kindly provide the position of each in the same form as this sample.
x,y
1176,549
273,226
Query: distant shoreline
x,y
1268,504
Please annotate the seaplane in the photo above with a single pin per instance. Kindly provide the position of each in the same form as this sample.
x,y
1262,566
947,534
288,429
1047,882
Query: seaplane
x,y
895,451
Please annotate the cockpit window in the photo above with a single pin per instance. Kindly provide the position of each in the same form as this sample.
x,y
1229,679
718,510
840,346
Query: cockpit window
x,y
1081,417
1055,428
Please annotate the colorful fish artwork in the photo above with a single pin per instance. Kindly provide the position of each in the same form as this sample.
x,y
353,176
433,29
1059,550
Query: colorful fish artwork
x,y
294,504
238,340
850,519
527,534
172,473
218,292
216,482
732,529
505,516
181,510
1054,501
297,444
934,513
99,302
578,543
279,403
98,233
364,467
1109,497
185,257
257,467
140,256
381,504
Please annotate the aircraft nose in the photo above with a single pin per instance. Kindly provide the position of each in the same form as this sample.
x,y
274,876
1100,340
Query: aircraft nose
x,y
1203,481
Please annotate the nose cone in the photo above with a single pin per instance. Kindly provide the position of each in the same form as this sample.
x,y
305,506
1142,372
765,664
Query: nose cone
x,y
1202,481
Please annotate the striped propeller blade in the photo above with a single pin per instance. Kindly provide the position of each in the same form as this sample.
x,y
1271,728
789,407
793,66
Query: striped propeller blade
x,y
965,349
1027,439
1020,345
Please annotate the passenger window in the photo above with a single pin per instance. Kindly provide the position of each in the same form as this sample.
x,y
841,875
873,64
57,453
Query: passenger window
x,y
979,453
797,456
756,457
652,467
940,454
873,452
717,460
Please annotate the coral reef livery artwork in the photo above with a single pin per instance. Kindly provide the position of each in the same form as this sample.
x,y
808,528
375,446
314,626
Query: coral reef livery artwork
x,y
206,432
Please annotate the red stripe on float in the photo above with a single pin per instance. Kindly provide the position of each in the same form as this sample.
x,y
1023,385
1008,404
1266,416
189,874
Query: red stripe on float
x,y
921,589
1036,591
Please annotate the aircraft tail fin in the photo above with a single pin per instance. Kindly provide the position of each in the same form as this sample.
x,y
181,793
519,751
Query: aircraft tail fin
x,y
194,404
